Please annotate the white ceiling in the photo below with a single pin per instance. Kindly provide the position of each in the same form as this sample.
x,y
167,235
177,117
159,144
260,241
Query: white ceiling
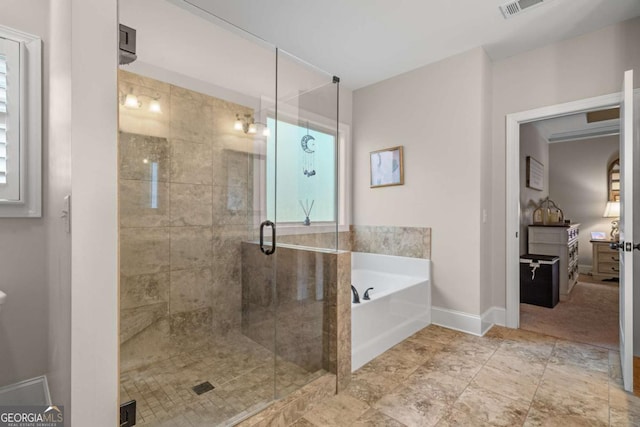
x,y
365,41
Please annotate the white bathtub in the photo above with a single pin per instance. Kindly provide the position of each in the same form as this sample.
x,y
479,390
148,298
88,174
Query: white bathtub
x,y
400,303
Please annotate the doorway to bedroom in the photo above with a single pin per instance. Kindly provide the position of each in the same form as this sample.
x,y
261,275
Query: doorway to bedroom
x,y
569,191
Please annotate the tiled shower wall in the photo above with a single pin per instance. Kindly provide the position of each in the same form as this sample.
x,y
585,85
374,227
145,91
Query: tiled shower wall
x,y
185,205
311,305
413,242
319,240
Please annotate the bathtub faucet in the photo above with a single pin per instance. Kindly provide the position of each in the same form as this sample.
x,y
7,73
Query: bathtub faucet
x,y
366,294
356,297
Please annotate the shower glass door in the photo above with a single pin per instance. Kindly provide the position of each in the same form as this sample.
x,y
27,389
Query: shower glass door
x,y
228,203
303,158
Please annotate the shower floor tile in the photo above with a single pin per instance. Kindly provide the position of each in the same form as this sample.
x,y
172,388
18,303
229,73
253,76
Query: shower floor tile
x,y
241,371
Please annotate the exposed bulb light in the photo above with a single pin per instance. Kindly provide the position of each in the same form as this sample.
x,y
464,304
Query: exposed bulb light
x,y
238,124
134,102
247,124
131,101
154,106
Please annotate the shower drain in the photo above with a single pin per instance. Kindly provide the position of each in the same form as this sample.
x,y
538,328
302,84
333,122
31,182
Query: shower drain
x,y
203,388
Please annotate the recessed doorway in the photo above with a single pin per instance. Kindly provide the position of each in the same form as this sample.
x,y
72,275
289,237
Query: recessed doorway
x,y
573,157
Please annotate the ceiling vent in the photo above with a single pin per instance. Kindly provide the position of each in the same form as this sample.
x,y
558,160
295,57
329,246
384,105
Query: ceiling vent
x,y
516,7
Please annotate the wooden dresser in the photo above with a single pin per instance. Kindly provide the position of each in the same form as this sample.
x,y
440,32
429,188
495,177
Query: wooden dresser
x,y
606,261
561,241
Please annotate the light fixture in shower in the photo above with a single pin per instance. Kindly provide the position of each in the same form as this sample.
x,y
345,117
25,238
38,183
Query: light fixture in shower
x,y
154,106
247,124
132,101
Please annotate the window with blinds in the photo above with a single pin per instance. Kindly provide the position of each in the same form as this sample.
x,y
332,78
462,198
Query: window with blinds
x,y
3,119
20,124
10,76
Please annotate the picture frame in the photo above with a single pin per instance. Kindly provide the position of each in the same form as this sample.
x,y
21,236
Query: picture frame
x,y
386,167
599,235
535,174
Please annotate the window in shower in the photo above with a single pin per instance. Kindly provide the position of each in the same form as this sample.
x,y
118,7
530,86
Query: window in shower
x,y
306,174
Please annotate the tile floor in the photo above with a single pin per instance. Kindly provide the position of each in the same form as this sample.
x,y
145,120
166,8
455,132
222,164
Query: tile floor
x,y
241,371
589,315
506,378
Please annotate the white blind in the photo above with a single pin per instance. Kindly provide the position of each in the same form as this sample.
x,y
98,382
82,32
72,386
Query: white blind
x,y
3,119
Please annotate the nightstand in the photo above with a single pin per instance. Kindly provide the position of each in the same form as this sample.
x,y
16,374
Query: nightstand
x,y
606,261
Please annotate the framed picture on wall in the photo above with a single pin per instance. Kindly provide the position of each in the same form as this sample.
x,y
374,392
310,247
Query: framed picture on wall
x,y
386,167
535,174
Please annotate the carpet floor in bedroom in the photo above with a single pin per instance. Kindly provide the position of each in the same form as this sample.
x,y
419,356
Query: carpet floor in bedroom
x,y
589,315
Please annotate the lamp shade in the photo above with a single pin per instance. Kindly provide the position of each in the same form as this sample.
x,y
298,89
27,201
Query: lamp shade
x,y
612,210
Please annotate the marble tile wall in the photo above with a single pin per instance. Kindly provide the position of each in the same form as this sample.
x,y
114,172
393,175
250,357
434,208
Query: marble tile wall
x,y
310,304
414,242
286,411
185,196
343,322
319,240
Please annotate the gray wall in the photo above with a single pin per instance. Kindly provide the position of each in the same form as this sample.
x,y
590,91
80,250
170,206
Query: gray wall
x,y
35,259
58,185
23,262
533,144
578,184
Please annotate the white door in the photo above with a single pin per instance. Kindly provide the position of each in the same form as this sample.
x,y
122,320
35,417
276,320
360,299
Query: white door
x,y
628,141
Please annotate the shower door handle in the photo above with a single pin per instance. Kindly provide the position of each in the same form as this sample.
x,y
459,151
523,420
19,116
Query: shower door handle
x,y
273,237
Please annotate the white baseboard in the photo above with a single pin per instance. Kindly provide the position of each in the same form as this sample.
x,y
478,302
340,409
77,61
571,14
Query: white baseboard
x,y
469,323
458,320
493,316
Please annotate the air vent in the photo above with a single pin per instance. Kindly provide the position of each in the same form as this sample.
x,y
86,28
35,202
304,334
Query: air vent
x,y
516,7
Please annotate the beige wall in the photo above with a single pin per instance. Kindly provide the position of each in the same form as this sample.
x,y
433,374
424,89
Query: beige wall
x,y
443,114
23,261
578,184
436,113
574,69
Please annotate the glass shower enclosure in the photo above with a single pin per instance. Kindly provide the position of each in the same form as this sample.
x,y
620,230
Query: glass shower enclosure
x,y
228,200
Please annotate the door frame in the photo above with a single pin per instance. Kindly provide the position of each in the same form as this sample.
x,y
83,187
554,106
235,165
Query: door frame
x,y
512,205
